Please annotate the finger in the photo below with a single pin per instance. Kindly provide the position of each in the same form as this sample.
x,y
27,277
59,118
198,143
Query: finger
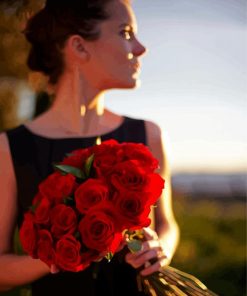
x,y
147,245
163,261
130,257
149,233
150,255
133,256
141,260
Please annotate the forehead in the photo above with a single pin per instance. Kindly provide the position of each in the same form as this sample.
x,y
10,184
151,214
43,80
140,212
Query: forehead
x,y
121,12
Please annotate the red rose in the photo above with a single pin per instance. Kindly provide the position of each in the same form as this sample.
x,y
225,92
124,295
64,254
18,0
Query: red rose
x,y
45,250
155,186
98,229
57,186
42,211
28,235
63,220
90,193
88,257
133,209
37,199
106,156
68,254
77,157
138,151
106,147
131,176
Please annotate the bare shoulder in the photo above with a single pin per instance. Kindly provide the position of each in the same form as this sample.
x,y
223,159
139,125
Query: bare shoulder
x,y
157,143
153,131
154,138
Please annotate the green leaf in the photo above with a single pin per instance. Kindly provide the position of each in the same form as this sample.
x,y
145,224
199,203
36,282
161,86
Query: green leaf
x,y
134,245
68,169
68,200
109,256
88,164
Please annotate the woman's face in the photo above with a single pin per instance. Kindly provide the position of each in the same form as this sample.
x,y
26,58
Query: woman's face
x,y
115,57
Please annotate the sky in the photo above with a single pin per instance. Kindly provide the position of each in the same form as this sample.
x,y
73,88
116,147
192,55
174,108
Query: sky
x,y
193,81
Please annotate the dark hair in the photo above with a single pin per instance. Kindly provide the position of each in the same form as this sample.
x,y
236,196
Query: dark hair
x,y
48,30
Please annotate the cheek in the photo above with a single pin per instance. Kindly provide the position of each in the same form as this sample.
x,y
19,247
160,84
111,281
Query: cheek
x,y
110,67
115,54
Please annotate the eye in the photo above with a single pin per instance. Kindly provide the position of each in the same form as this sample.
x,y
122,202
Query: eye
x,y
128,35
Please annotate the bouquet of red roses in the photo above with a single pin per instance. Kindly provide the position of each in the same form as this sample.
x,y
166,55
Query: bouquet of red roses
x,y
97,197
81,210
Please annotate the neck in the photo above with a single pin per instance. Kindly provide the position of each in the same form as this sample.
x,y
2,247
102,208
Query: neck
x,y
78,108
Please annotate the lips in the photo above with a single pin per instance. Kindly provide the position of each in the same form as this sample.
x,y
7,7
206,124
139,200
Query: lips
x,y
136,66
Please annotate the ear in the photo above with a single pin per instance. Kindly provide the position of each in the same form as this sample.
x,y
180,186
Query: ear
x,y
77,46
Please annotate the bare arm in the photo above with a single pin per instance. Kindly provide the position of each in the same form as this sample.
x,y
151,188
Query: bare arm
x,y
160,244
14,270
165,223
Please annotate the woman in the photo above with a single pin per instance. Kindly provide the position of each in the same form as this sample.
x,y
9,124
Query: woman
x,y
85,48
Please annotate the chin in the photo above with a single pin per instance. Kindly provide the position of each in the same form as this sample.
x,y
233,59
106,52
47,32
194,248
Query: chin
x,y
129,83
132,83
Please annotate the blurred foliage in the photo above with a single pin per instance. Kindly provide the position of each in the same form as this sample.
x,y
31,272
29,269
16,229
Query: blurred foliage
x,y
13,46
13,54
21,8
8,104
212,245
14,95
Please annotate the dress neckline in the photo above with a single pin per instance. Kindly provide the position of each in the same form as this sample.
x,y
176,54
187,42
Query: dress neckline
x,y
118,128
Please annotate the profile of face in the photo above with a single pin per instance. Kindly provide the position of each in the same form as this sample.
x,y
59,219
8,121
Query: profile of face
x,y
114,59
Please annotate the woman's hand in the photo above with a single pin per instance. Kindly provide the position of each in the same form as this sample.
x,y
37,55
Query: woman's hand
x,y
151,249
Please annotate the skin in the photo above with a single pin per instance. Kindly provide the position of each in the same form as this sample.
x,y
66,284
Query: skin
x,y
91,68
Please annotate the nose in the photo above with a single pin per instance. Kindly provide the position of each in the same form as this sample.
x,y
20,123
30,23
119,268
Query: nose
x,y
139,49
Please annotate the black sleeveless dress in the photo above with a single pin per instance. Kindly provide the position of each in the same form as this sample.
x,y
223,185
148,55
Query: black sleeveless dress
x,y
32,157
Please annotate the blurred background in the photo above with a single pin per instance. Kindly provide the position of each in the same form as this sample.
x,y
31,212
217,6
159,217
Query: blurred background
x,y
193,84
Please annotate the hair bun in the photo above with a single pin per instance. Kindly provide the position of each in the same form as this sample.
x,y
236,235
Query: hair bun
x,y
34,32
